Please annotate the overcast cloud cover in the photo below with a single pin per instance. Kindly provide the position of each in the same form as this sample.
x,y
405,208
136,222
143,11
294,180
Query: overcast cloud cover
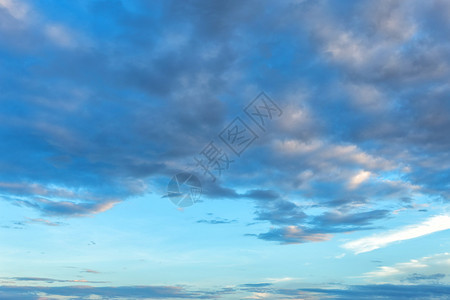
x,y
345,195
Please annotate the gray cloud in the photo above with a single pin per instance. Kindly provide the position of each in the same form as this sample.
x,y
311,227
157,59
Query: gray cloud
x,y
137,292
294,235
381,291
216,221
91,117
416,277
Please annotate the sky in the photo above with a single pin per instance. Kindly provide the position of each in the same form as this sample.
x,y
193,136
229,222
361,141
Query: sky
x,y
224,149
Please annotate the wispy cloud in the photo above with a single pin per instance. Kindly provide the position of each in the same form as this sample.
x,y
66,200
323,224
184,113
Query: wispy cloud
x,y
17,9
43,221
216,221
53,280
434,224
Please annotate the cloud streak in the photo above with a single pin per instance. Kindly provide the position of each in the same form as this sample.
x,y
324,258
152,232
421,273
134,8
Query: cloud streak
x,y
429,226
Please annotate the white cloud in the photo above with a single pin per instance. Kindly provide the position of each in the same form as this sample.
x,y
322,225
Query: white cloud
x,y
15,8
434,224
259,296
59,35
359,178
284,279
340,256
324,152
430,268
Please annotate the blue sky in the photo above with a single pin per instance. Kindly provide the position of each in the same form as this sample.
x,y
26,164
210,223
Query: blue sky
x,y
343,193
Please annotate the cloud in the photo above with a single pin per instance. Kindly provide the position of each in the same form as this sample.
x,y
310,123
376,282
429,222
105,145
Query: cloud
x,y
91,271
359,178
44,221
318,228
218,191
59,35
431,225
257,285
355,220
380,291
421,277
342,154
284,279
281,212
17,9
117,292
426,270
295,226
97,114
112,109
66,208
216,221
293,235
52,280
